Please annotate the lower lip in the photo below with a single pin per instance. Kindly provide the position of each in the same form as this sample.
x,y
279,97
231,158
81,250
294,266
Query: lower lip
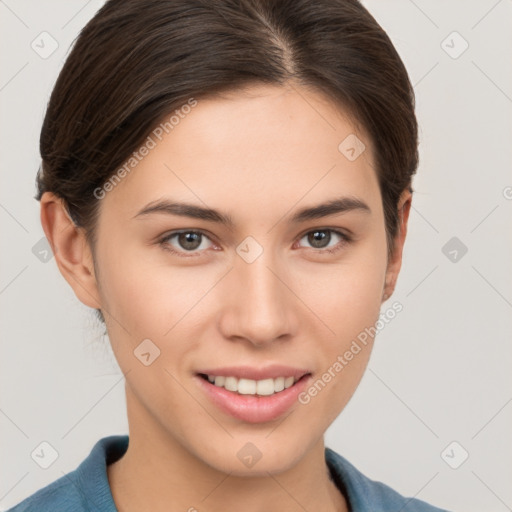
x,y
252,408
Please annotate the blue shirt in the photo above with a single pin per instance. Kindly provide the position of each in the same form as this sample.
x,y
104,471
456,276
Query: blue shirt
x,y
87,487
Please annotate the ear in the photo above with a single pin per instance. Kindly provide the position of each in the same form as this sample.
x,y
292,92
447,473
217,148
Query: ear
x,y
395,260
70,248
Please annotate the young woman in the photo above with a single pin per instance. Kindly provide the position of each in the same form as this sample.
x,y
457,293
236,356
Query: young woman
x,y
228,183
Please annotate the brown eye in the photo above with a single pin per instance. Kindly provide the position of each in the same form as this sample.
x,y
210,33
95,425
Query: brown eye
x,y
321,238
185,241
189,240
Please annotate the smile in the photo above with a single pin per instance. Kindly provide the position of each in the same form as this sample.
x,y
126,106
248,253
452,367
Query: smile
x,y
268,395
264,387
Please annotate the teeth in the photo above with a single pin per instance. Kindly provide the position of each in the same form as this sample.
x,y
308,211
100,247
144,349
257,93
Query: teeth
x,y
245,386
231,384
279,384
263,387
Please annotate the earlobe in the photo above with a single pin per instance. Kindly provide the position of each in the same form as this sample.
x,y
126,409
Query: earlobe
x,y
70,248
395,262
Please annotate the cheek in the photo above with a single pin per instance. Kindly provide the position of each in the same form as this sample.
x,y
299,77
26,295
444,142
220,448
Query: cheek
x,y
144,294
346,296
347,299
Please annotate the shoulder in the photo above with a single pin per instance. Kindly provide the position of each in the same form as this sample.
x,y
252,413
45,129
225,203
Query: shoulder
x,y
366,494
84,489
61,495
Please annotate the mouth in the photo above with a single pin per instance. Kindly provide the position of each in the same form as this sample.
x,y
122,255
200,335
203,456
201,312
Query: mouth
x,y
242,386
253,400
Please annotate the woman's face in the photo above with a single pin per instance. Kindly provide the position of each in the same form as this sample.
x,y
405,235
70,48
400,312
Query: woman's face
x,y
261,292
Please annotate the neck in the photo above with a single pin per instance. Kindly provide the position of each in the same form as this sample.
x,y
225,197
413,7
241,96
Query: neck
x,y
158,473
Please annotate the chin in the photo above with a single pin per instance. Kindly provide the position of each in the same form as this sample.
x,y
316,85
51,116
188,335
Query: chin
x,y
245,456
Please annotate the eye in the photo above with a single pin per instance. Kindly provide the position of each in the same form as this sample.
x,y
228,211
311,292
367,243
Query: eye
x,y
187,241
321,238
192,242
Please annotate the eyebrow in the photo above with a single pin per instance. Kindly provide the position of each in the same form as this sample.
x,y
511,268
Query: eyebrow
x,y
334,206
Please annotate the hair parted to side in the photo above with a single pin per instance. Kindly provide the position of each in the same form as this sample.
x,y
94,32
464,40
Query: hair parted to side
x,y
136,62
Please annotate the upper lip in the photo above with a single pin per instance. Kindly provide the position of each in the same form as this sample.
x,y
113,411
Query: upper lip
x,y
250,372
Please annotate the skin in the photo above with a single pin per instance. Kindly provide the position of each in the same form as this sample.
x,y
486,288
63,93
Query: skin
x,y
258,155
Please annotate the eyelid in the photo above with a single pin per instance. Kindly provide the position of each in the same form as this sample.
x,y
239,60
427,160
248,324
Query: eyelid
x,y
340,231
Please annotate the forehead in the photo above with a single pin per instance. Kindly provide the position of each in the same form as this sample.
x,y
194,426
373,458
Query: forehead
x,y
263,146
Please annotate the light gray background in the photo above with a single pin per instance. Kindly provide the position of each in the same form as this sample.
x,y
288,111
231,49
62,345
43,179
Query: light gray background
x,y
440,371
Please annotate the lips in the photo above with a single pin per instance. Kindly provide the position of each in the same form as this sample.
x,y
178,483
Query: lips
x,y
248,372
236,390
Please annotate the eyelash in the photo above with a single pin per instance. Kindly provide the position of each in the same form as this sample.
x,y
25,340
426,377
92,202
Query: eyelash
x,y
164,242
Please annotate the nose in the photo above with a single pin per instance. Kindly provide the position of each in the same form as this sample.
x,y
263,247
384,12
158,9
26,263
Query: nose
x,y
259,307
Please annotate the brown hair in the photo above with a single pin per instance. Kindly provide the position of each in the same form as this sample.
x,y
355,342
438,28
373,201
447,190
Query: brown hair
x,y
137,61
